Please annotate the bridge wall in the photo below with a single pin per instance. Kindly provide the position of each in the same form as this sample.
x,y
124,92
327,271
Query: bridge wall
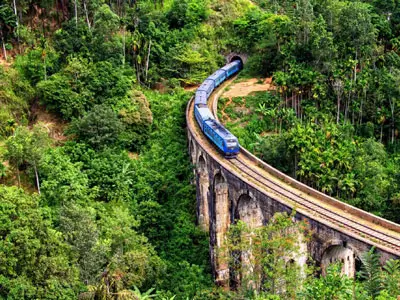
x,y
222,196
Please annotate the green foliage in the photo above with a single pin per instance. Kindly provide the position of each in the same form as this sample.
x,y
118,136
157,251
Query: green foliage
x,y
15,94
62,180
332,286
81,84
391,277
134,112
99,128
78,225
37,64
371,272
38,265
111,173
27,147
187,13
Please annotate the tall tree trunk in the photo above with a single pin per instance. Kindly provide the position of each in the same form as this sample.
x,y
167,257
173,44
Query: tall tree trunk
x,y
3,44
16,23
37,178
45,68
392,105
16,13
19,177
76,13
86,14
338,109
124,45
147,61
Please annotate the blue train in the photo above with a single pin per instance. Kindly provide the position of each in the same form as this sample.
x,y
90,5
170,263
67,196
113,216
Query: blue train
x,y
225,141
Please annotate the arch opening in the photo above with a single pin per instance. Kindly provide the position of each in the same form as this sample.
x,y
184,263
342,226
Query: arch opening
x,y
202,166
249,211
339,254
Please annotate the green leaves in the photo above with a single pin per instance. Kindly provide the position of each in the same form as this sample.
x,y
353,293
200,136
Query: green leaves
x,y
371,272
38,265
100,128
81,84
332,286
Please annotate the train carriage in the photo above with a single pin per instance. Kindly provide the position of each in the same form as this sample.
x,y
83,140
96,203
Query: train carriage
x,y
232,68
200,98
207,86
219,76
202,113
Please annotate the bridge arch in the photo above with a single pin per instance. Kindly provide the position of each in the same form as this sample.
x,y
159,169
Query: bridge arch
x,y
192,150
342,252
248,210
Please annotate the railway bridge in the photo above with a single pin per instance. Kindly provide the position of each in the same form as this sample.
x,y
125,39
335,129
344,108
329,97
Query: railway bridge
x,y
248,189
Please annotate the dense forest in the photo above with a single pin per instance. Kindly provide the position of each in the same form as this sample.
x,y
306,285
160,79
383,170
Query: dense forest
x,y
96,200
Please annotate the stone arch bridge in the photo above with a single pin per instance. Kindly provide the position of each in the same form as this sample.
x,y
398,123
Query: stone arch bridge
x,y
248,189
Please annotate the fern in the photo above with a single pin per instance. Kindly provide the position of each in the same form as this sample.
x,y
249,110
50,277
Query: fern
x,y
392,277
371,272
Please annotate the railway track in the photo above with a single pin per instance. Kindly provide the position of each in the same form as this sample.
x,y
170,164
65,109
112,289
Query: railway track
x,y
390,241
356,223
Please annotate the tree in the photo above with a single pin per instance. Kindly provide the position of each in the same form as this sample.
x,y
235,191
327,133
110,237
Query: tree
x,y
99,128
27,146
334,285
35,261
15,150
80,231
7,25
62,180
391,277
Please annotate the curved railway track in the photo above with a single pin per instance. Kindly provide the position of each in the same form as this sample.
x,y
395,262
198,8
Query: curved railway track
x,y
354,222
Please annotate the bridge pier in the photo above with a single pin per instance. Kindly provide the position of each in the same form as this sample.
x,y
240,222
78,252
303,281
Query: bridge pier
x,y
202,187
221,222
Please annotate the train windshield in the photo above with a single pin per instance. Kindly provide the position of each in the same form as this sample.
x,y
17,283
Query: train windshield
x,y
231,143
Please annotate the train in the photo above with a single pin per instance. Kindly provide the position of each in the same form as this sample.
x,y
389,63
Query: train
x,y
224,140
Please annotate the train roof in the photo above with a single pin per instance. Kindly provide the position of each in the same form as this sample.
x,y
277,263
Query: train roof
x,y
216,74
205,112
220,130
230,65
201,93
205,85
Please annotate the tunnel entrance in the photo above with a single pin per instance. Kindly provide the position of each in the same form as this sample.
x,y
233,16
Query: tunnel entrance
x,y
236,57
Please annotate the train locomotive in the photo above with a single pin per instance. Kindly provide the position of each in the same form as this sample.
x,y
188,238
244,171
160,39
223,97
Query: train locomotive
x,y
225,141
